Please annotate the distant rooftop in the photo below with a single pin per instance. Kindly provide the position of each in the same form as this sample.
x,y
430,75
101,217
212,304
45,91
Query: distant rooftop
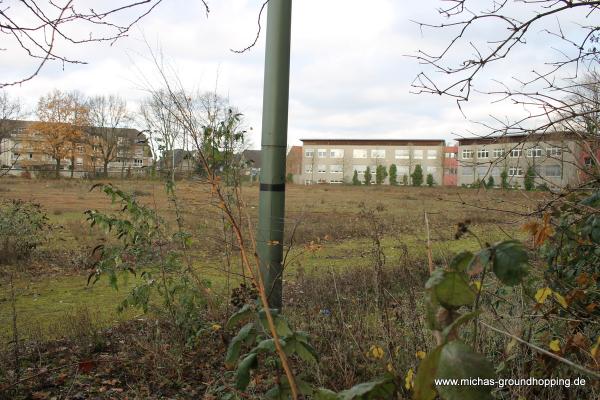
x,y
531,137
391,142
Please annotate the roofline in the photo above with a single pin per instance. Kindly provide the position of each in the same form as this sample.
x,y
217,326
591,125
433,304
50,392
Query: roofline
x,y
440,142
523,137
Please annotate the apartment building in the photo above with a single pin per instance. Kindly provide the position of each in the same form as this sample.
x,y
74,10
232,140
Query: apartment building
x,y
335,160
555,158
22,150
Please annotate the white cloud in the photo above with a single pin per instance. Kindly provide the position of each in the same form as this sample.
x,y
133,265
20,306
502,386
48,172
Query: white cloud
x,y
349,73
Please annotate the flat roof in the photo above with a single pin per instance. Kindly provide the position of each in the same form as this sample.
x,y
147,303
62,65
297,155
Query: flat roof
x,y
531,137
366,142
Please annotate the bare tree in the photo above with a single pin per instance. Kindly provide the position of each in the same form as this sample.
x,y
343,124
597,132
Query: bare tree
x,y
10,110
107,115
157,114
41,30
553,96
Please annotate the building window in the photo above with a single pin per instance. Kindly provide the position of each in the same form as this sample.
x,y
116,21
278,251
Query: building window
x,y
553,151
515,171
359,153
483,153
308,169
467,154
498,153
308,182
431,154
138,162
377,153
534,152
516,153
450,155
431,170
553,171
402,154
79,161
139,153
322,153
322,169
309,153
483,170
467,171
589,162
360,169
336,153
15,156
80,148
336,169
336,181
120,141
30,156
449,171
402,170
418,154
496,171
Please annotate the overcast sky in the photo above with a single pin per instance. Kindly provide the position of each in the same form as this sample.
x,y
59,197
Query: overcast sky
x,y
350,74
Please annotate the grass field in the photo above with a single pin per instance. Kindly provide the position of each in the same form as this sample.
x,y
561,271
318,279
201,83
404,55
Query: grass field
x,y
56,283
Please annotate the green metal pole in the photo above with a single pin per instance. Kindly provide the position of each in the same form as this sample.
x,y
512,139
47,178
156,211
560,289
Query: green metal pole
x,y
274,144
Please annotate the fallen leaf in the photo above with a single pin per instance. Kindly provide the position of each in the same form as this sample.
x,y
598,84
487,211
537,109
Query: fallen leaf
x,y
560,299
542,294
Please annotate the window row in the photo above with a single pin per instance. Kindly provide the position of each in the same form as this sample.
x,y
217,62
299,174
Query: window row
x,y
360,169
533,152
374,153
552,171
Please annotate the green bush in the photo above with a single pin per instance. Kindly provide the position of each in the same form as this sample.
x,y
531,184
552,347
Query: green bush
x,y
529,181
504,177
417,176
368,176
393,175
355,180
430,181
380,174
22,226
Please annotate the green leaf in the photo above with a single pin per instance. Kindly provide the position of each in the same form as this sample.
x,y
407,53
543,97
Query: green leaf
x,y
454,290
424,380
303,349
242,314
480,260
242,376
233,351
436,277
326,394
281,324
276,393
432,306
463,319
383,388
304,387
461,261
458,361
593,200
267,345
510,262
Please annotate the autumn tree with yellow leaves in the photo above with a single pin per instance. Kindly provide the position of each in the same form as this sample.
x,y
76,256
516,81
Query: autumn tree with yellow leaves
x,y
62,118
